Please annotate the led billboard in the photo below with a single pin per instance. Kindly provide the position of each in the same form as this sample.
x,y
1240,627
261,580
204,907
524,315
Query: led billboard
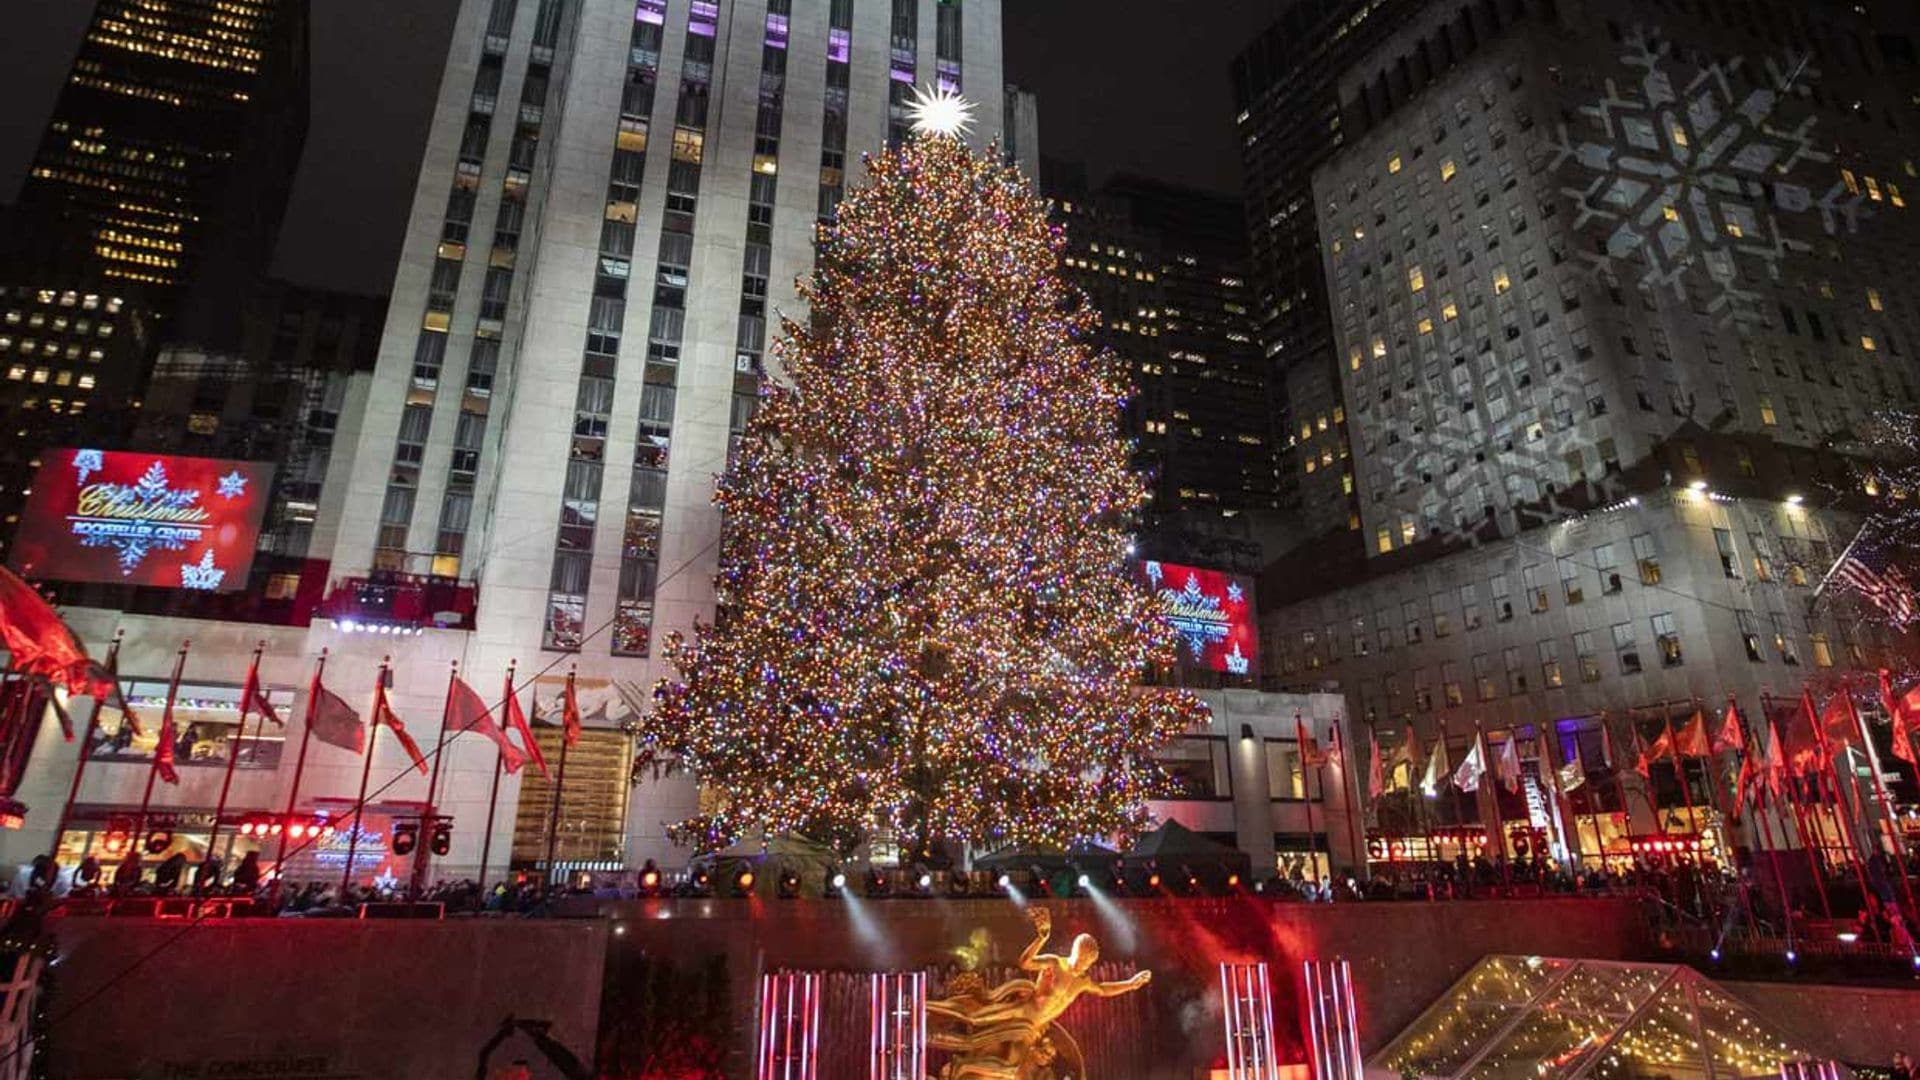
x,y
1212,612
131,518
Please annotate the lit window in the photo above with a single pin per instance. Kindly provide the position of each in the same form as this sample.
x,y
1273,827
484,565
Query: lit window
x,y
1733,230
1847,178
1312,464
1449,311
1416,279
1766,411
86,382
1393,164
1447,170
1346,483
1873,300
1353,358
1320,422
1670,213
1426,326
1379,347
1501,282
1406,530
1873,189
1894,196
39,375
1383,539
1866,343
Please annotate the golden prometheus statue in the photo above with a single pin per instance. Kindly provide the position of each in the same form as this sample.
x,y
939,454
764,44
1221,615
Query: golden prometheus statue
x,y
1009,1032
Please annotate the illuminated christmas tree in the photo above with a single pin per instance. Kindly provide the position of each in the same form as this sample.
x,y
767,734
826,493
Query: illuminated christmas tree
x,y
926,628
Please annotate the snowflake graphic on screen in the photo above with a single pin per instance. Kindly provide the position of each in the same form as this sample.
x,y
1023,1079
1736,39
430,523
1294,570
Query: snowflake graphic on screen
x,y
203,574
1154,573
1235,595
152,489
233,485
1198,618
85,464
1681,170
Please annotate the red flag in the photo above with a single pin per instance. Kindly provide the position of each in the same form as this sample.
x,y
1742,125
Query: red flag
x,y
1692,740
1902,727
1836,722
1662,747
383,714
254,699
570,712
1804,747
1774,764
163,751
517,722
1730,737
1310,753
333,721
466,712
41,644
1744,783
1376,769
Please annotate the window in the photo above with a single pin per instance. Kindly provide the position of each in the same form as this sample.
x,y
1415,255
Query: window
x,y
1584,654
1359,637
1469,607
1383,630
1667,636
1410,611
1450,684
1729,558
1570,581
1608,565
1287,779
1783,641
1550,674
1767,415
1516,670
1647,559
1483,677
1625,649
1422,691
1822,649
1442,626
1383,538
1536,590
1416,278
1749,635
1762,558
1200,767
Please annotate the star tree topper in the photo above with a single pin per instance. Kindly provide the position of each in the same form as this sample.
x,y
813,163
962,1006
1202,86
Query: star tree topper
x,y
940,112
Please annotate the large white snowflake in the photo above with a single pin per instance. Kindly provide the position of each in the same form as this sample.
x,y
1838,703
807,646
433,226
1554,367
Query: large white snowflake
x,y
86,463
1684,174
203,574
155,490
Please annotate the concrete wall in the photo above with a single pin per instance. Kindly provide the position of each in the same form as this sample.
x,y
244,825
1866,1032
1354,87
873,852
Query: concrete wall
x,y
1861,1025
312,999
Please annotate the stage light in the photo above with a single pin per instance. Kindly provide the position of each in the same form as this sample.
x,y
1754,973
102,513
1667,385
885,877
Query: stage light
x,y
701,883
877,884
922,879
789,884
159,840
650,879
441,840
1004,882
405,837
836,881
1083,882
1233,882
743,882
1042,885
1792,956
1190,881
958,883
1714,953
296,830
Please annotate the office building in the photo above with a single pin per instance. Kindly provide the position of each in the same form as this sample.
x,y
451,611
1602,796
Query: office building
x,y
1166,268
1608,290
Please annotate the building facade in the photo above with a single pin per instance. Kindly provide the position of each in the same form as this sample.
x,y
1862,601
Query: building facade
x,y
1166,268
1609,288
577,332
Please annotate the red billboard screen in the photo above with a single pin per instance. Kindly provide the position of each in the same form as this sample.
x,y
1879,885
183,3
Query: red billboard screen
x,y
131,518
1211,611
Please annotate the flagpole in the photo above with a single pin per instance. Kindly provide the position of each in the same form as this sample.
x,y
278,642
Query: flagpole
x,y
293,793
1886,807
233,749
86,748
366,773
1619,785
559,783
153,768
1593,812
1840,805
1814,597
1362,871
1487,769
1562,808
493,796
428,820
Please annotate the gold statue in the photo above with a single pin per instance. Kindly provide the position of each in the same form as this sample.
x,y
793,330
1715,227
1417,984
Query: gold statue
x,y
1009,1032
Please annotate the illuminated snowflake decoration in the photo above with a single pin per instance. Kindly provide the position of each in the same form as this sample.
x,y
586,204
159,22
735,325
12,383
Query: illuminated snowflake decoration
x,y
233,485
1236,661
1682,173
1154,573
203,574
940,112
1197,617
85,464
1235,594
153,489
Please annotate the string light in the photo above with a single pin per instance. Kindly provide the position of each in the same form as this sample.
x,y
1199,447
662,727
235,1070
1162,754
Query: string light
x,y
927,628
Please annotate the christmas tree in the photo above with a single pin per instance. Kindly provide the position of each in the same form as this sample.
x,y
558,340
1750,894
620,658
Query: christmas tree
x,y
926,627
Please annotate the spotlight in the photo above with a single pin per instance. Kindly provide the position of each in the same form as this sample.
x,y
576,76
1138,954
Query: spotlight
x,y
650,879
440,841
1083,882
1714,953
159,840
789,884
1042,886
1153,877
922,880
1233,882
877,883
404,838
1190,881
836,882
700,883
1004,882
958,883
743,881
1792,956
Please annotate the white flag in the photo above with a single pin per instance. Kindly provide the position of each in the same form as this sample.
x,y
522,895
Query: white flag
x,y
1472,768
1437,770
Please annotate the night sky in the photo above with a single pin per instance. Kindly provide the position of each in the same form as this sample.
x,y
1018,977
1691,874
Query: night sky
x,y
1124,85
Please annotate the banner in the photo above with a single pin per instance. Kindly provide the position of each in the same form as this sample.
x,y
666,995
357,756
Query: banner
x,y
129,518
1212,612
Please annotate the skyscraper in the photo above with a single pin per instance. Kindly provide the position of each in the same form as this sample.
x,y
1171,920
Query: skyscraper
x,y
165,168
1166,268
613,206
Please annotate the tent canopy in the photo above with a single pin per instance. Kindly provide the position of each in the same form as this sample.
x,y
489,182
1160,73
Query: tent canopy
x,y
1541,1018
1174,841
1082,853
